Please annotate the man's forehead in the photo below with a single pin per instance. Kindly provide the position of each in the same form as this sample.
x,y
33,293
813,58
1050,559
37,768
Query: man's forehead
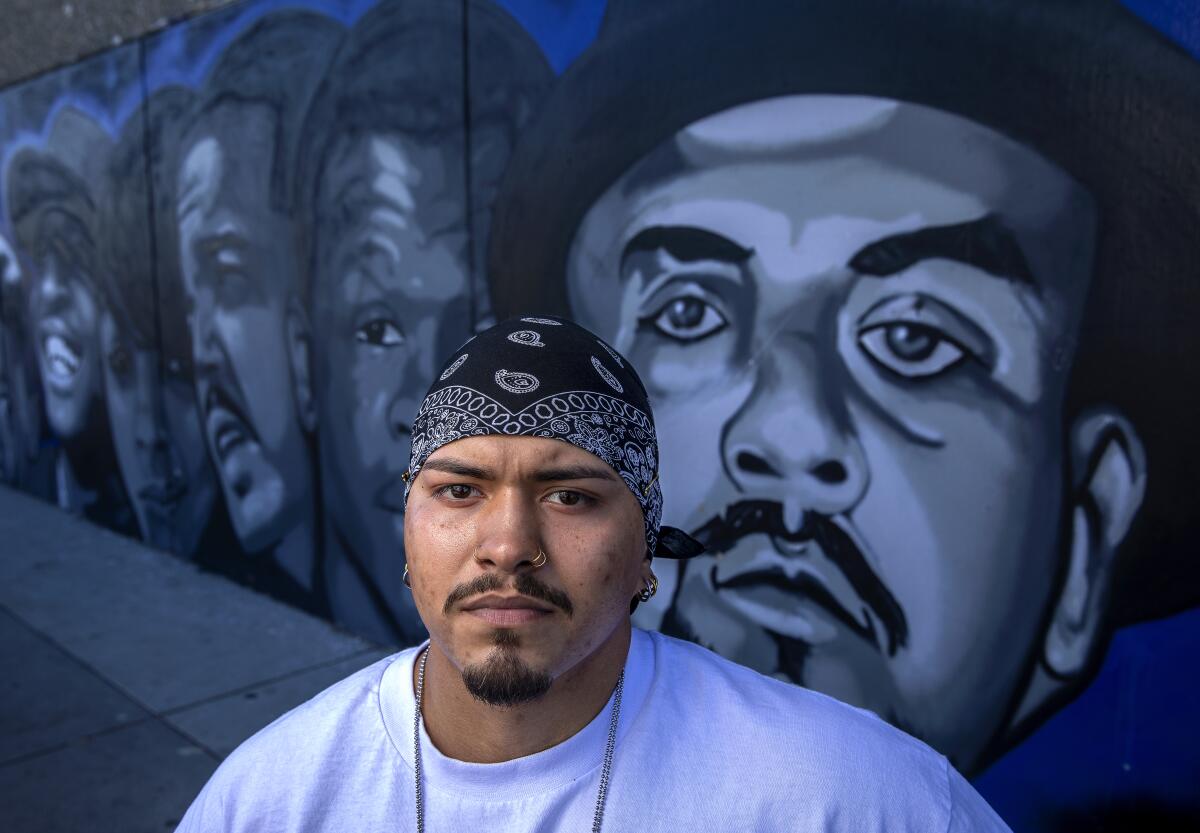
x,y
511,448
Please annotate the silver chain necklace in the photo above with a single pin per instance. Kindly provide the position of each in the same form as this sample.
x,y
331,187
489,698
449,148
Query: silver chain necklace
x,y
605,771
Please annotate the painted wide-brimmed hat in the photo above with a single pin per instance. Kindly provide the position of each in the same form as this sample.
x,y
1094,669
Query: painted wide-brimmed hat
x,y
1085,83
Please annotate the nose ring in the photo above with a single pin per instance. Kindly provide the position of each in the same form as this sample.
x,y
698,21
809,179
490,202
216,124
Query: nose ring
x,y
539,560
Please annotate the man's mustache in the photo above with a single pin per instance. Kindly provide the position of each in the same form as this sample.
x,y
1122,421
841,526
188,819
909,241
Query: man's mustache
x,y
765,517
524,583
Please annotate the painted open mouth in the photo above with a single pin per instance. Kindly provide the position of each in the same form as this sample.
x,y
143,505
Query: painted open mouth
x,y
63,356
226,423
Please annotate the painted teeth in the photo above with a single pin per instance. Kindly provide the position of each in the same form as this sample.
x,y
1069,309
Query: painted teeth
x,y
62,358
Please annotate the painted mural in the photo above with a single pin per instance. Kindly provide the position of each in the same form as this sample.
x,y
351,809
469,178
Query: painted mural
x,y
913,287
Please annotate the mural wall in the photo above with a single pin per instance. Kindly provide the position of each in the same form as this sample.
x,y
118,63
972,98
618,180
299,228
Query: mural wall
x,y
913,288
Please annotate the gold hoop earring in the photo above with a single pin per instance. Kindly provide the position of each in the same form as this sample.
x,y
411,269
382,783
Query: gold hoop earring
x,y
541,559
651,588
407,579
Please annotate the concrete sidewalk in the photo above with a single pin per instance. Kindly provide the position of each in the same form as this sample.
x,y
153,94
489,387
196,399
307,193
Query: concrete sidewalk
x,y
128,674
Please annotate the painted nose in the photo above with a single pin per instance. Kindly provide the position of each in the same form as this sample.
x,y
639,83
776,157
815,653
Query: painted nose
x,y
792,438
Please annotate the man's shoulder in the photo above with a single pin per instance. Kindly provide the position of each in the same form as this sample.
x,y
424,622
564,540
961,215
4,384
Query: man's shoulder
x,y
306,745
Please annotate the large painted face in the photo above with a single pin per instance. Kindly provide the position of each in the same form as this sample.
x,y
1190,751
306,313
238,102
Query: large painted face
x,y
238,263
483,507
64,317
391,293
159,441
854,320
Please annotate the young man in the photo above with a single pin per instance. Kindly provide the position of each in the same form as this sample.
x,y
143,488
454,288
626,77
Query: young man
x,y
533,509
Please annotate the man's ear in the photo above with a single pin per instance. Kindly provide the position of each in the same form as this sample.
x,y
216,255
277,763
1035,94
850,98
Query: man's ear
x,y
299,337
1108,479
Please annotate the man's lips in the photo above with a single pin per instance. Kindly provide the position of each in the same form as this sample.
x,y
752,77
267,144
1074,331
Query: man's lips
x,y
506,610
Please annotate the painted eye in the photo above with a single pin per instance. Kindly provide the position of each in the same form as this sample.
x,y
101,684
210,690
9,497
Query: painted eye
x,y
379,332
688,319
119,361
912,350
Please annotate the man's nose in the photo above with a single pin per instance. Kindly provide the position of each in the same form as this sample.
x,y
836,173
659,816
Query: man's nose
x,y
792,438
508,532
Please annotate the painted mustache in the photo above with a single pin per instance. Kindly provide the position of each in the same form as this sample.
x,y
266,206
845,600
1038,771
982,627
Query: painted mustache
x,y
765,517
524,583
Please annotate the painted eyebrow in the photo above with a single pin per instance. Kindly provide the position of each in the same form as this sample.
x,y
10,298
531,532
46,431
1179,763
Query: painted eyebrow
x,y
987,243
687,244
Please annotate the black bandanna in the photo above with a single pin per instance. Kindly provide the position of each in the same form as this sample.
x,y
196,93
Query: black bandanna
x,y
549,377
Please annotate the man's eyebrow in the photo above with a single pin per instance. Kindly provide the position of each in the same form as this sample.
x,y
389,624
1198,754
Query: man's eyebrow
x,y
987,244
574,472
687,244
452,465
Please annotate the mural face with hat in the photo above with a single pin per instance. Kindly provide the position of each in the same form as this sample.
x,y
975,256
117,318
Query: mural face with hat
x,y
879,291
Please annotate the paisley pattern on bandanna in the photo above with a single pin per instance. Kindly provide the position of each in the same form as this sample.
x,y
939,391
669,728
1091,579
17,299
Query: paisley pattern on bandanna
x,y
602,410
529,338
453,367
516,382
607,376
616,357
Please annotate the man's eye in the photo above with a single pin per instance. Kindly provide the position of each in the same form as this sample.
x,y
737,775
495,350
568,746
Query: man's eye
x,y
457,491
688,319
912,350
379,332
567,497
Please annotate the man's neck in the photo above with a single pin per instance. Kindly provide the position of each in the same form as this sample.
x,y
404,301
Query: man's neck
x,y
466,729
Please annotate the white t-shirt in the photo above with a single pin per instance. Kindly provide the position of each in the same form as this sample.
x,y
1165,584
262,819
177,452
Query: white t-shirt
x,y
703,744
